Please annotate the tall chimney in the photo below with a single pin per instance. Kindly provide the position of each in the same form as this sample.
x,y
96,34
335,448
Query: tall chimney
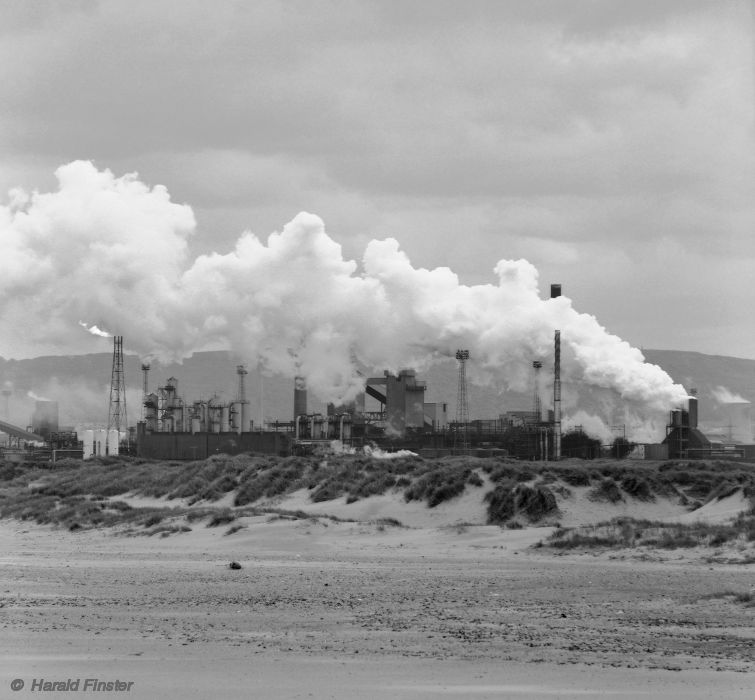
x,y
692,409
300,397
145,388
557,398
243,426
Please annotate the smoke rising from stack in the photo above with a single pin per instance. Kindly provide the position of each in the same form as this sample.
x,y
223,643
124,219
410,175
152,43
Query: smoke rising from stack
x,y
110,254
724,396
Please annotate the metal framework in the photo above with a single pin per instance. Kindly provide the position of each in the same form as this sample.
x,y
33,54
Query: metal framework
x,y
461,437
117,418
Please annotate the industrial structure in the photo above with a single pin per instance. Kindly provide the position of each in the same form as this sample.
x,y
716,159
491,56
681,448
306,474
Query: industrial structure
x,y
391,412
117,414
461,437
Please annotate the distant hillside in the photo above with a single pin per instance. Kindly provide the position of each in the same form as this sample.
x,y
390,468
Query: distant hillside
x,y
712,375
81,385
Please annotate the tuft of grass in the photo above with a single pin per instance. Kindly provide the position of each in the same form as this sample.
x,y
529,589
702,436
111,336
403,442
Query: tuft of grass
x,y
439,485
745,597
606,490
475,480
388,522
167,530
221,518
507,501
628,532
234,528
637,487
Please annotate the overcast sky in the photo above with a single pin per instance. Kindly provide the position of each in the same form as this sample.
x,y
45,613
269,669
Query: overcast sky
x,y
610,143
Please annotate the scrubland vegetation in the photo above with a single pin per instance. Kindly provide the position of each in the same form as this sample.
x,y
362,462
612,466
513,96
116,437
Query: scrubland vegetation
x,y
629,532
76,495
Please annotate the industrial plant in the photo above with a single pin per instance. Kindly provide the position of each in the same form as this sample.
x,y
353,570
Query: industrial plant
x,y
391,413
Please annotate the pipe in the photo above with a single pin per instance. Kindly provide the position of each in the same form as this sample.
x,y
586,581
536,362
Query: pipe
x,y
557,398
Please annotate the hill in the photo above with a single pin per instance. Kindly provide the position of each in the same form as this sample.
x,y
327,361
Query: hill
x,y
81,385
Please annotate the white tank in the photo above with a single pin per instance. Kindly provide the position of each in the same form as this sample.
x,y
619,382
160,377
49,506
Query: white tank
x,y
113,442
100,442
88,443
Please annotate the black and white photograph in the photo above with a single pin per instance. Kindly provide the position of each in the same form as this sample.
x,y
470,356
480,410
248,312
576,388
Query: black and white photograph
x,y
377,349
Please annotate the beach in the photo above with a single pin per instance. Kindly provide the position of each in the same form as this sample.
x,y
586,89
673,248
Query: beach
x,y
332,609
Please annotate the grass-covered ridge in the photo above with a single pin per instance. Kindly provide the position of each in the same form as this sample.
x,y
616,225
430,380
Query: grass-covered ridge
x,y
629,533
86,494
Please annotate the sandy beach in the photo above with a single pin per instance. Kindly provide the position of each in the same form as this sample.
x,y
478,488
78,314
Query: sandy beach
x,y
333,609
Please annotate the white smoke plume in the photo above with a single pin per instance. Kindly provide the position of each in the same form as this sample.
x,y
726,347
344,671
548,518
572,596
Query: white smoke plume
x,y
724,395
113,251
95,331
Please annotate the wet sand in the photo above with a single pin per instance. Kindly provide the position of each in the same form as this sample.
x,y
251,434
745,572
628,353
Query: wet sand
x,y
347,610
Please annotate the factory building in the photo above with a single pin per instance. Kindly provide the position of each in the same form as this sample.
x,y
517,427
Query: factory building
x,y
175,429
684,440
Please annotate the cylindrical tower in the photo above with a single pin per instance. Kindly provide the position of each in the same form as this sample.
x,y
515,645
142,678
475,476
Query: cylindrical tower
x,y
300,397
557,397
537,406
241,419
145,389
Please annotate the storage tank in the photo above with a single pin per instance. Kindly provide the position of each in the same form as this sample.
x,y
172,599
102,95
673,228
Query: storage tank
x,y
113,442
88,444
100,442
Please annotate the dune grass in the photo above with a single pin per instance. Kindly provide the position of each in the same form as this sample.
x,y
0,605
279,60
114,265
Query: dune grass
x,y
627,532
89,494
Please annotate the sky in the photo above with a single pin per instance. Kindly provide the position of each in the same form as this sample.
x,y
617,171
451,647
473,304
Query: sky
x,y
608,143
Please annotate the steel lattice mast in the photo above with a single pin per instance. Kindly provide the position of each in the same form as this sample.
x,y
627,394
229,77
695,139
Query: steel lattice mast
x,y
117,418
462,403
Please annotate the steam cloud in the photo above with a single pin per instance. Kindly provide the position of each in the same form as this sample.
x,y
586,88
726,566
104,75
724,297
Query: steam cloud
x,y
95,331
114,252
723,395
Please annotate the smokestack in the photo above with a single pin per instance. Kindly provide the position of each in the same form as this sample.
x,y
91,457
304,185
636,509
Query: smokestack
x,y
555,291
692,410
145,388
537,365
557,398
241,371
300,397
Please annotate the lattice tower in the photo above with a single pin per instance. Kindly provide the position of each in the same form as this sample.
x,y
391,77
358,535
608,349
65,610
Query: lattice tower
x,y
117,418
461,437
